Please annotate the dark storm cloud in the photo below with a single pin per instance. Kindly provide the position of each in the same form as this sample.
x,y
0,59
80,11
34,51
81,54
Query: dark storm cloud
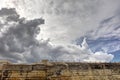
x,y
17,36
7,12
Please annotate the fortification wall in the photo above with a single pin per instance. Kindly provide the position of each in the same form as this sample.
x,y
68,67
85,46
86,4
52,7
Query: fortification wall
x,y
60,71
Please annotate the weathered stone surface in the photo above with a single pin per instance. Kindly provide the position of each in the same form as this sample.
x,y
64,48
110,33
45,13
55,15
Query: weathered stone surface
x,y
60,71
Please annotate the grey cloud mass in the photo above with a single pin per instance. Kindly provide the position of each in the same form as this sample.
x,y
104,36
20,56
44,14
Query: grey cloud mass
x,y
24,39
67,19
18,35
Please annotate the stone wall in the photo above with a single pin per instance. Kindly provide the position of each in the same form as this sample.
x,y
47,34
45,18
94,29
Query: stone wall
x,y
61,71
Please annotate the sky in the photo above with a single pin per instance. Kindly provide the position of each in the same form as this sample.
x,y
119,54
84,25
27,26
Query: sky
x,y
60,30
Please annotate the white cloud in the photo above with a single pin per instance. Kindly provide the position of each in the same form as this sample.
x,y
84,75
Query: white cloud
x,y
99,57
18,43
65,21
108,28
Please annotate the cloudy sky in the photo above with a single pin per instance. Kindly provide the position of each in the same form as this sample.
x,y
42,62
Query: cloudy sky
x,y
60,30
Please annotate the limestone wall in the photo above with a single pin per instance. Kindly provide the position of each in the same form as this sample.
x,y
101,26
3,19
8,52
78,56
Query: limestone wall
x,y
61,71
